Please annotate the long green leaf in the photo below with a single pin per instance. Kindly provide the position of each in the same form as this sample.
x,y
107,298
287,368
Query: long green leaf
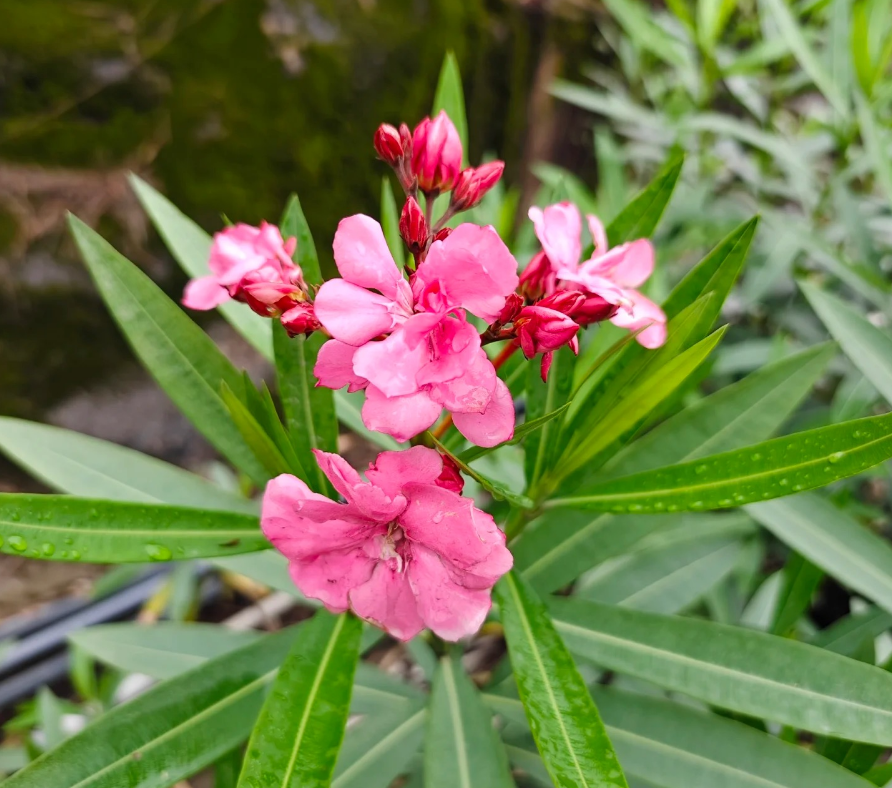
x,y
191,247
801,580
294,225
542,446
741,670
450,97
832,540
772,469
62,528
80,465
675,746
847,635
297,737
562,716
178,354
171,731
390,223
463,749
876,146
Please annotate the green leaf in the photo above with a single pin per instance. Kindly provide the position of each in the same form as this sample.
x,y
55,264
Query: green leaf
x,y
869,348
792,34
390,223
349,407
848,634
737,669
297,737
751,409
49,717
636,20
464,749
309,410
562,716
268,567
640,217
712,16
450,97
832,540
191,247
178,354
169,732
801,580
62,528
863,62
663,580
679,747
775,468
294,225
85,466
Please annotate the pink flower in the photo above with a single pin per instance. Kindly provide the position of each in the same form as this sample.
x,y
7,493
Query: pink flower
x,y
544,330
252,265
613,275
402,552
429,357
436,153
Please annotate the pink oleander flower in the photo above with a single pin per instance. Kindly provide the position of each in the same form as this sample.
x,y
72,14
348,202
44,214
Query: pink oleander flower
x,y
436,153
411,347
252,265
612,274
401,552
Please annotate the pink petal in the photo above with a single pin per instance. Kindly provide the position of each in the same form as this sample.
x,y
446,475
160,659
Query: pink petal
x,y
637,263
465,537
448,609
331,576
362,256
644,313
456,347
387,600
234,253
393,470
205,293
402,417
334,366
391,365
472,390
558,229
492,427
474,269
371,501
302,524
599,234
352,314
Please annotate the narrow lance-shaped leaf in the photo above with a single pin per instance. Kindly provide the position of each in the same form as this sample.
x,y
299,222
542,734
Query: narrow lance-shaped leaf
x,y
737,669
81,465
463,749
450,97
801,580
390,223
170,732
62,528
191,247
297,737
773,469
562,716
178,354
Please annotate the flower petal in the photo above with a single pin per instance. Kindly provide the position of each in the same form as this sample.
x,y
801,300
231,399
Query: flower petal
x,y
472,390
401,417
448,609
330,577
362,256
371,501
334,367
599,234
392,365
205,293
351,313
494,425
456,346
644,312
393,470
473,268
558,229
387,600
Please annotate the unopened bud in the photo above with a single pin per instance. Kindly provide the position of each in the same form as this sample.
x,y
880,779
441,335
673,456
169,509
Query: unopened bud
x,y
538,278
300,319
436,153
443,234
389,145
413,226
474,182
513,305
450,478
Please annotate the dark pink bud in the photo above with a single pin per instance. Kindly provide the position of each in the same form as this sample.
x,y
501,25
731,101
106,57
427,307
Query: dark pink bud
x,y
542,330
584,308
513,304
406,140
436,154
389,144
474,182
413,226
538,278
450,478
443,234
300,319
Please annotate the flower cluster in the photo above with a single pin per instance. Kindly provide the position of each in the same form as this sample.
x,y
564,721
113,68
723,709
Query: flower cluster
x,y
404,549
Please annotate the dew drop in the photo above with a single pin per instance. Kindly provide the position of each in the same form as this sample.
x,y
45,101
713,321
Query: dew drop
x,y
158,552
725,502
797,487
740,498
15,516
69,541
836,456
756,457
635,507
784,482
700,469
18,543
438,517
74,555
672,507
857,434
618,509
698,505
47,549
659,506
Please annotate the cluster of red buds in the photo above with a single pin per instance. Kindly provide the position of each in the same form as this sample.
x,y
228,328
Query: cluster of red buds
x,y
429,160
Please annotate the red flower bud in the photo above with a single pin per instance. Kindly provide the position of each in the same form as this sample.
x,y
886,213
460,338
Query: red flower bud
x,y
389,145
450,478
436,153
413,226
584,308
473,183
513,304
300,319
443,234
538,278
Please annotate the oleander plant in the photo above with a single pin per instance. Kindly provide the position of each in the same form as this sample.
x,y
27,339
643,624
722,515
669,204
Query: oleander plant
x,y
601,563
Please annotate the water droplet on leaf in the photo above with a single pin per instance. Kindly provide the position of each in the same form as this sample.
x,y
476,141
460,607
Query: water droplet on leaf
x,y
158,552
18,543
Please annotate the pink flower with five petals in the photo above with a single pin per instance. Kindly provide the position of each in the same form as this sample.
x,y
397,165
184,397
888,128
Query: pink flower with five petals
x,y
402,552
614,274
411,347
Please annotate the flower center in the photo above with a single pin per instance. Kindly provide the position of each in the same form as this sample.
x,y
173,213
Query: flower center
x,y
390,546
